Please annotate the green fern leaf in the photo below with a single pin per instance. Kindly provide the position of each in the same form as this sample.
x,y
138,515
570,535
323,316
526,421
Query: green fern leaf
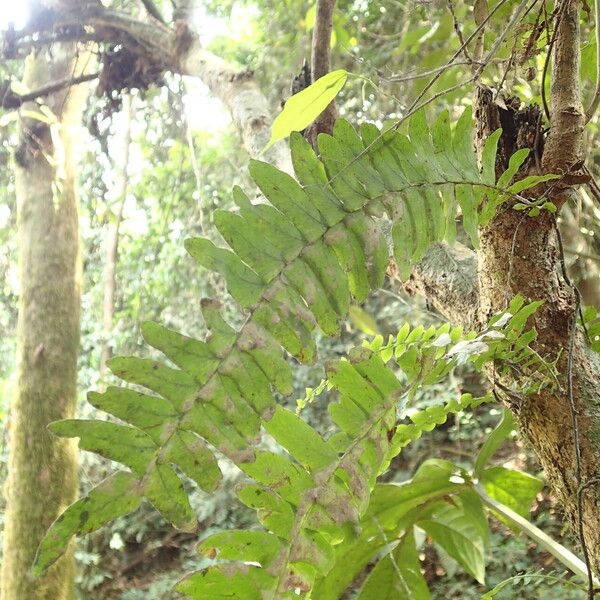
x,y
293,265
117,495
398,575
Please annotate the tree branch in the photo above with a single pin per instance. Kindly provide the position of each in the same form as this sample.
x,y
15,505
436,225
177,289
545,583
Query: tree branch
x,y
591,111
11,100
320,64
176,49
564,145
321,40
152,10
183,10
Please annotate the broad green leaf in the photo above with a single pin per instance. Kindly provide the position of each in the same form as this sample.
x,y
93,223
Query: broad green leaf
x,y
308,282
270,223
514,164
343,175
242,282
304,107
165,491
488,157
226,582
288,320
311,174
441,134
256,546
529,182
250,244
175,385
299,439
492,443
127,445
193,356
117,495
351,149
353,385
193,457
348,247
272,511
460,527
463,145
289,198
397,576
148,413
374,246
468,205
520,316
268,355
280,474
514,489
351,559
390,502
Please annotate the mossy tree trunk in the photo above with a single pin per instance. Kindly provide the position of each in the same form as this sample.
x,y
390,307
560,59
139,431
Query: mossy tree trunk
x,y
42,478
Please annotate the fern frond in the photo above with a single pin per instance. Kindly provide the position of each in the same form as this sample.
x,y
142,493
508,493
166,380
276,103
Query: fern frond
x,y
316,501
293,265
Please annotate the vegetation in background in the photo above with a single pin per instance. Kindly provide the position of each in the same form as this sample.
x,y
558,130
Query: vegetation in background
x,y
140,555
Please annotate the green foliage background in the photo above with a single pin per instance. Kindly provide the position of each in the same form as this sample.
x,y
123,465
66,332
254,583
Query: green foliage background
x,y
158,281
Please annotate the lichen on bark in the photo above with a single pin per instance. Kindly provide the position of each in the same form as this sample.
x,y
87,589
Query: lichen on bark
x,y
42,469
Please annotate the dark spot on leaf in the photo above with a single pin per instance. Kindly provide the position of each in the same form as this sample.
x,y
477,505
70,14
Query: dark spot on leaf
x,y
83,518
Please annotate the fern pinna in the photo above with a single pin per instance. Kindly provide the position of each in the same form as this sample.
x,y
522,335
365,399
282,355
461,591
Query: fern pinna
x,y
292,265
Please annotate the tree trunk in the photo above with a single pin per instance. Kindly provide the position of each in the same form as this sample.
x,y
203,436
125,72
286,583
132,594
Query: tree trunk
x,y
42,468
112,236
522,255
527,249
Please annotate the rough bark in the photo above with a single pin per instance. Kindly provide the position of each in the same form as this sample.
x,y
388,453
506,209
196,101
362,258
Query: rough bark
x,y
447,278
112,237
42,469
522,255
564,146
531,255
